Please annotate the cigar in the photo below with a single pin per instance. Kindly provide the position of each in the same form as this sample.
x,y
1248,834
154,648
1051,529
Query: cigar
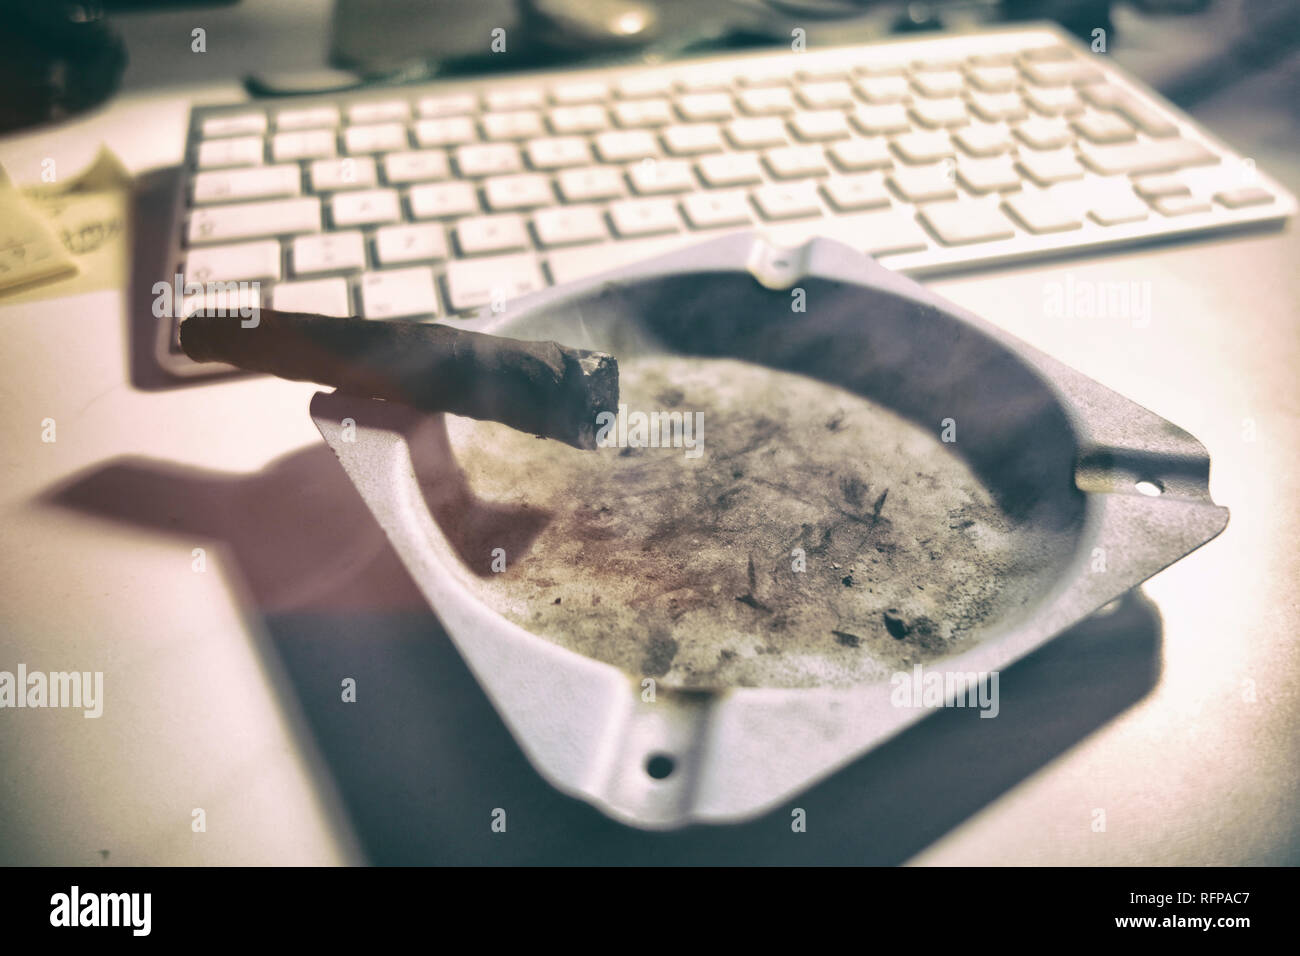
x,y
544,388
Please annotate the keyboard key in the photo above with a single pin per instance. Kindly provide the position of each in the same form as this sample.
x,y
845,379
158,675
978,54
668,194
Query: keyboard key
x,y
251,219
1061,73
984,140
998,106
1180,205
313,117
245,260
315,297
1046,168
853,193
923,147
938,83
641,113
329,252
416,166
569,265
518,98
379,112
328,175
237,151
855,155
704,82
640,85
224,301
519,124
578,119
692,139
963,222
397,293
376,138
439,200
557,152
884,89
923,183
472,283
303,144
756,132
587,91
988,175
766,101
1046,54
1112,208
715,209
488,159
566,225
1147,120
881,66
787,200
1150,157
455,104
816,125
730,169
478,235
1043,133
591,182
1039,212
365,207
878,233
622,145
1244,196
994,79
421,243
661,176
643,217
793,162
878,120
1107,97
1153,187
1104,128
826,95
698,107
1063,101
446,131
258,182
939,114
520,191
235,125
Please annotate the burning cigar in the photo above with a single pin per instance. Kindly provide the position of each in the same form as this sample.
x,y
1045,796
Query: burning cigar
x,y
539,387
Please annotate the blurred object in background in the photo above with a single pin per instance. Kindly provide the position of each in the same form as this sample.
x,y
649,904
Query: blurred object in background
x,y
56,60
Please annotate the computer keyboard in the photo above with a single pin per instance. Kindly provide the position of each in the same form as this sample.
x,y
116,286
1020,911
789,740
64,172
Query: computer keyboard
x,y
935,154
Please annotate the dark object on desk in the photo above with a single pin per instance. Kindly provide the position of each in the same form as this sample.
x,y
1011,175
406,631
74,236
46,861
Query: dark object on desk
x,y
56,60
539,387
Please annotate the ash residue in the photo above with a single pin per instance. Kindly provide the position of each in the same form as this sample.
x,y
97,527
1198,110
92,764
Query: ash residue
x,y
905,557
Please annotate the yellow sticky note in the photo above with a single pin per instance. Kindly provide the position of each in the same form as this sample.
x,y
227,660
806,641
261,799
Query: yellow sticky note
x,y
29,250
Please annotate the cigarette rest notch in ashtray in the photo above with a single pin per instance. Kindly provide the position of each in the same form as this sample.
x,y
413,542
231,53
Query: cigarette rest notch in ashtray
x,y
1055,448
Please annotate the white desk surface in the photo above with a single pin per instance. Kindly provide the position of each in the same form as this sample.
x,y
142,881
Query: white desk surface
x,y
202,709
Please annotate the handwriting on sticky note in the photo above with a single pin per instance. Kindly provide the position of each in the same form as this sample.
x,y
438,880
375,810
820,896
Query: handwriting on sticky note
x,y
29,249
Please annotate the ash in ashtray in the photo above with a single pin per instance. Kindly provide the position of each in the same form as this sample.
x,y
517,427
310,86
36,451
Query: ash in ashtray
x,y
819,538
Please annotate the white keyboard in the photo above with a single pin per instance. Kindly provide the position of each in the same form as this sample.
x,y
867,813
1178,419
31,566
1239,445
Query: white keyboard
x,y
934,154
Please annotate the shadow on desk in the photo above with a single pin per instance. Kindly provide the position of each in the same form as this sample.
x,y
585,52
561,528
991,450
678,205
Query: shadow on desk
x,y
153,205
421,759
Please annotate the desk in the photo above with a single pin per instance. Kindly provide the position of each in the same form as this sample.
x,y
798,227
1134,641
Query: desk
x,y
222,685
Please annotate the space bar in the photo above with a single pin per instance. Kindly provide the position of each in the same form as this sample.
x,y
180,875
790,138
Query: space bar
x,y
569,265
876,233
